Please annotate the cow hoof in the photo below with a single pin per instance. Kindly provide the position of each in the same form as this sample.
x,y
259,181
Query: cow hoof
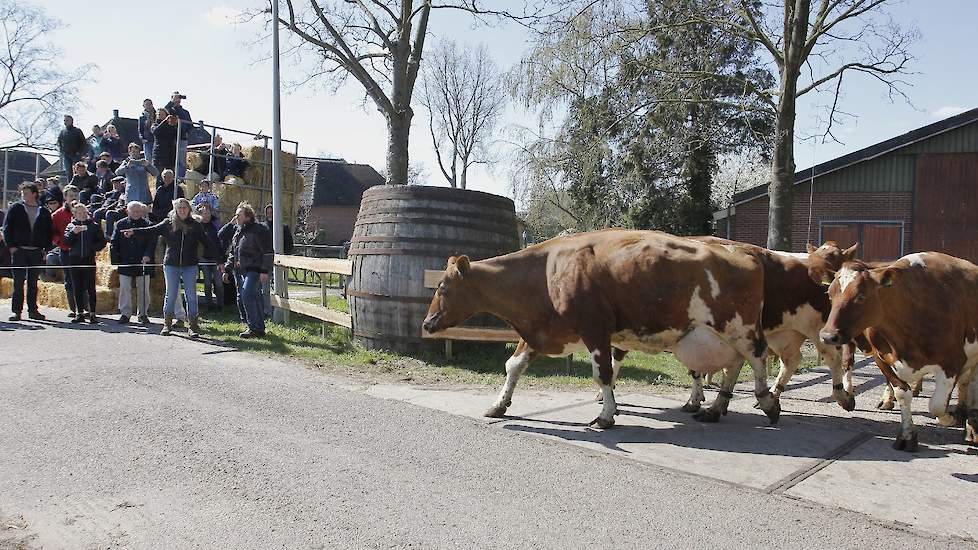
x,y
690,407
849,403
602,423
774,413
885,405
908,444
960,416
496,411
971,429
707,415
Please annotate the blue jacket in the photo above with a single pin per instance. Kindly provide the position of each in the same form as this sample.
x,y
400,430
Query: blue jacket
x,y
137,180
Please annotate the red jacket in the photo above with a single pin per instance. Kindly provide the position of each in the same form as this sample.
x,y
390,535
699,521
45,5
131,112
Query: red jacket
x,y
60,220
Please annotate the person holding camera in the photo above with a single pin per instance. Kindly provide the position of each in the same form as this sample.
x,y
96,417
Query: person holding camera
x,y
165,144
59,222
175,108
85,239
137,170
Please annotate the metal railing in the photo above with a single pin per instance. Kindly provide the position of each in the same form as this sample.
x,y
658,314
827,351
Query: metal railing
x,y
9,189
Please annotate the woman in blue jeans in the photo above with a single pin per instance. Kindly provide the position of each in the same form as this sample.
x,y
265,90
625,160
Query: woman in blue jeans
x,y
251,259
184,235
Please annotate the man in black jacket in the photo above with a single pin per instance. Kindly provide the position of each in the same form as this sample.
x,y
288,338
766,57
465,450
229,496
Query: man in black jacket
x,y
165,144
266,288
27,232
166,192
71,146
186,123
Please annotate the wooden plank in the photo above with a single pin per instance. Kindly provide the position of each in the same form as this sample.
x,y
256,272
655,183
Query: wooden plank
x,y
432,277
319,265
475,334
311,310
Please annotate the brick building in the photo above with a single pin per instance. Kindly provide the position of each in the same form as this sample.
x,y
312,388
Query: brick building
x,y
331,199
914,192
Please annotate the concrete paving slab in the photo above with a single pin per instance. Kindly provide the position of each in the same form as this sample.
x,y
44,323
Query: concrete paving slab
x,y
472,403
934,489
743,448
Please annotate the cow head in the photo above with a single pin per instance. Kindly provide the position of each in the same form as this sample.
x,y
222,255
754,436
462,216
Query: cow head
x,y
454,299
826,260
857,295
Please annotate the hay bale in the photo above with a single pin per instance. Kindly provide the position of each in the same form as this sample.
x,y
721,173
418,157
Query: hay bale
x,y
196,161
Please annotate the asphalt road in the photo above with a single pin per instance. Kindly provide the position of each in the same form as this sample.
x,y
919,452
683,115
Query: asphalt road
x,y
113,439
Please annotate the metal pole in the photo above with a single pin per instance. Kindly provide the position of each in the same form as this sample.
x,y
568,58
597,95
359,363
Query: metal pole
x,y
6,175
37,165
176,157
277,231
210,158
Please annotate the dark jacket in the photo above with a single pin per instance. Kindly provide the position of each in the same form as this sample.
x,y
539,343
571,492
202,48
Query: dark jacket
x,y
145,128
86,181
181,245
251,249
131,251
165,146
288,240
163,201
183,115
236,166
71,141
113,145
17,230
53,193
211,231
83,246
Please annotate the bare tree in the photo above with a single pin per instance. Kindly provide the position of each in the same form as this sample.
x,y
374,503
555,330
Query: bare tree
x,y
816,49
465,97
34,90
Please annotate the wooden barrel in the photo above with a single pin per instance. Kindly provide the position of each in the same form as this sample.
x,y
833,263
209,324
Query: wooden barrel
x,y
400,232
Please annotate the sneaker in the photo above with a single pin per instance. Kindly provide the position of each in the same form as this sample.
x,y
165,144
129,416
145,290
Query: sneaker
x,y
124,320
78,318
92,319
248,334
14,317
178,323
143,320
36,315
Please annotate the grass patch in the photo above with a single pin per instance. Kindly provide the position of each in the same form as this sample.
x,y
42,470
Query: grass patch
x,y
473,364
332,302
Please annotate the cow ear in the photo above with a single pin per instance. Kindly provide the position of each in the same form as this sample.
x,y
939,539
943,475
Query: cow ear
x,y
850,253
809,248
462,264
887,277
451,262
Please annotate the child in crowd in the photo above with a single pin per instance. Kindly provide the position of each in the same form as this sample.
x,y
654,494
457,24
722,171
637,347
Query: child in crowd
x,y
205,196
84,238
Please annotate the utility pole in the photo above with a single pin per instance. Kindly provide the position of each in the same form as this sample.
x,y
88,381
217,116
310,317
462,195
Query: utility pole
x,y
278,236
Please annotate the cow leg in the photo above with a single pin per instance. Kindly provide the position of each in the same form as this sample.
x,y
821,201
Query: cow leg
x,y
787,346
888,400
767,402
906,440
617,356
724,395
834,360
604,376
964,400
708,380
918,386
938,404
515,367
848,365
971,404
696,397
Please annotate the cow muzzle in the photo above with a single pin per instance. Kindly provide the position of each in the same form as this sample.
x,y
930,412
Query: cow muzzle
x,y
832,337
431,324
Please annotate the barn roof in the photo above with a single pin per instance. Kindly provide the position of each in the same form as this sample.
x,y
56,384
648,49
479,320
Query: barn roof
x,y
332,182
868,153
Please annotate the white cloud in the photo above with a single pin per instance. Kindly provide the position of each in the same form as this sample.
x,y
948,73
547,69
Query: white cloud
x,y
948,111
223,16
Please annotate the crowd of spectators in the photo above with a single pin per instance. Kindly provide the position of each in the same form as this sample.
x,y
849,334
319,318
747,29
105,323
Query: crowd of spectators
x,y
103,199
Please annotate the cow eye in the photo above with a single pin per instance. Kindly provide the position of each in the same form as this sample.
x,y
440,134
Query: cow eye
x,y
860,298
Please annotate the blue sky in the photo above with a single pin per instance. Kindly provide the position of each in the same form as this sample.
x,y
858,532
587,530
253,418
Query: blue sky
x,y
194,47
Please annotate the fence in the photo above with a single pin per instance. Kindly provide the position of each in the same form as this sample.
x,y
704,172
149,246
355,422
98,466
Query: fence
x,y
311,278
344,268
21,164
320,266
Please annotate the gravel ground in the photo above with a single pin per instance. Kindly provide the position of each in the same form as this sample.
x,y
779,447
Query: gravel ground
x,y
112,438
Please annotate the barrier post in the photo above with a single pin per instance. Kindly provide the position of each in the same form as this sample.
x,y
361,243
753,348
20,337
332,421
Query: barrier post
x,y
6,175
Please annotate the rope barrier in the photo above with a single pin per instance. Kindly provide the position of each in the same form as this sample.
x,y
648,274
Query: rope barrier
x,y
114,266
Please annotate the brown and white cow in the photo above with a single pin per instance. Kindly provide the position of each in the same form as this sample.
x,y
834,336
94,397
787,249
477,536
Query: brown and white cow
x,y
918,315
634,290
